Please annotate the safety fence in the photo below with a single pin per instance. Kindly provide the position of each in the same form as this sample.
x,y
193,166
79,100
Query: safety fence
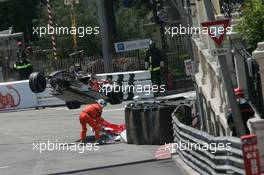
x,y
126,61
130,61
218,155
253,77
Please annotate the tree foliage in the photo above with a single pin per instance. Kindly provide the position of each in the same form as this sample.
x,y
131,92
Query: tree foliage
x,y
26,14
129,24
18,14
86,16
130,20
251,26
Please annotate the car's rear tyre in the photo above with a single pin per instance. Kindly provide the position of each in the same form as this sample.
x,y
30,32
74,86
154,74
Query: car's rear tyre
x,y
73,104
37,82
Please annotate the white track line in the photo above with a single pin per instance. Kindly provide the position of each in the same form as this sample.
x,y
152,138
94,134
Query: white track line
x,y
106,110
110,110
3,167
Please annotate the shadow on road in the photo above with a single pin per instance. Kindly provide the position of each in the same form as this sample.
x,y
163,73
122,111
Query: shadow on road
x,y
117,167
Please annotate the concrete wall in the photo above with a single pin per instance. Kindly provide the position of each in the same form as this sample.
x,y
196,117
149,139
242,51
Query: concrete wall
x,y
208,77
258,55
209,80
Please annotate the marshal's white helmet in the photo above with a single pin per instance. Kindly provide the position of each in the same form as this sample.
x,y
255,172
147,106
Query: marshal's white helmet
x,y
102,102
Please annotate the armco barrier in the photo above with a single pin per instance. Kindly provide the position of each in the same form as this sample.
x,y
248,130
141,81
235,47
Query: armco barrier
x,y
215,160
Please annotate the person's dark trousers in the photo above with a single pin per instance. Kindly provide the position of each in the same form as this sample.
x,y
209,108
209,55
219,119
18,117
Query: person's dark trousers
x,y
155,77
24,73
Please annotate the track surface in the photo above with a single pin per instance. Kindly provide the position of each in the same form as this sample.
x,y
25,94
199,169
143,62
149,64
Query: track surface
x,y
21,129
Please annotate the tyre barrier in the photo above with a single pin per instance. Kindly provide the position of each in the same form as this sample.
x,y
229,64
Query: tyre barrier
x,y
131,80
115,97
149,123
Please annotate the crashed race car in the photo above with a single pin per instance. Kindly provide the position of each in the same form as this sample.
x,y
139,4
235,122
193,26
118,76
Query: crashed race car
x,y
74,89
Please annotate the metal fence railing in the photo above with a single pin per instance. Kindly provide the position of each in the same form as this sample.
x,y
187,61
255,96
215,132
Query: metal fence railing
x,y
211,159
129,61
253,77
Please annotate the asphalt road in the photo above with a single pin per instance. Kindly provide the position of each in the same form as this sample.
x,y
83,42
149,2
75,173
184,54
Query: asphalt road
x,y
22,132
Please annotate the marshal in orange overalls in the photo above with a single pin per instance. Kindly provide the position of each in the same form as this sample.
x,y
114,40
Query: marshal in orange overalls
x,y
91,115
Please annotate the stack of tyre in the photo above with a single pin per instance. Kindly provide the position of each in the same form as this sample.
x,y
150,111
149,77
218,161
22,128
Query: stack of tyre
x,y
149,123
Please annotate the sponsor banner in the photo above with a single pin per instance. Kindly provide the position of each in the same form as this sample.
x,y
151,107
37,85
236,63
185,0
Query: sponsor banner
x,y
16,95
250,154
188,67
132,45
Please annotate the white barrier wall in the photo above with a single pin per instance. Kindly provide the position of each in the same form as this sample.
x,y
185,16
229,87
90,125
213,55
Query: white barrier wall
x,y
16,95
45,99
137,78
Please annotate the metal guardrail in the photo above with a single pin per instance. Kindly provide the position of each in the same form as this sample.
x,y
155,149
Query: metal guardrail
x,y
253,78
212,160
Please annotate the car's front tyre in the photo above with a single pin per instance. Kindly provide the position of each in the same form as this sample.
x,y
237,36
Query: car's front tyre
x,y
37,82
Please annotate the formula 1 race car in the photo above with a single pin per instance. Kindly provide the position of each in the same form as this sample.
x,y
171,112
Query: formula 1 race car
x,y
75,90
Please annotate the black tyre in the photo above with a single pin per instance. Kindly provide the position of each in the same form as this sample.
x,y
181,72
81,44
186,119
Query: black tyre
x,y
136,125
115,97
149,123
37,82
73,104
